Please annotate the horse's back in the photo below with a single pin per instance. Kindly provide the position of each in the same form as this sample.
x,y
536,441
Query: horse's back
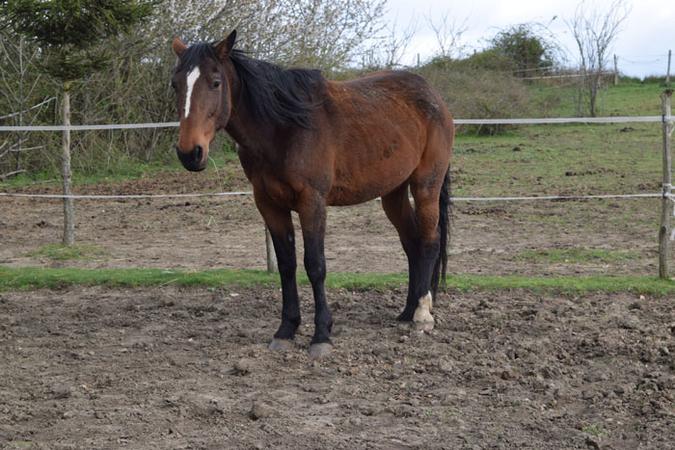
x,y
399,86
380,126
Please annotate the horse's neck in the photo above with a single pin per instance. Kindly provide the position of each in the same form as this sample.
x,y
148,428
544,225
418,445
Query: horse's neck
x,y
243,126
249,133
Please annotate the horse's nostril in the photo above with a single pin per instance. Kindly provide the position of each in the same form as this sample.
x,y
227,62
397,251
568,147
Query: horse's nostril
x,y
192,160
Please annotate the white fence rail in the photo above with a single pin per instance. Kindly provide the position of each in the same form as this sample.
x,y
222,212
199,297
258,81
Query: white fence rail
x,y
517,121
246,193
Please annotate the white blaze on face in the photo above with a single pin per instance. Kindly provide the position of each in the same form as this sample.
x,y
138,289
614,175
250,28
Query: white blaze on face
x,y
191,79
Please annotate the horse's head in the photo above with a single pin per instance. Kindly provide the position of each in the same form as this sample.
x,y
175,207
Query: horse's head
x,y
203,95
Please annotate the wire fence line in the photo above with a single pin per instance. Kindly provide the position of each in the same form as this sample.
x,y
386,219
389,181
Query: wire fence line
x,y
249,193
566,75
503,121
506,121
567,120
119,126
124,197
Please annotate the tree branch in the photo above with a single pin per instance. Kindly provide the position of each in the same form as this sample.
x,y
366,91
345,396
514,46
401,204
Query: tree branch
x,y
29,109
11,174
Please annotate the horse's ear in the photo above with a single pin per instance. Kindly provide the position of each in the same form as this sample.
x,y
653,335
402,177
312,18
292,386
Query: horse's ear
x,y
178,46
224,47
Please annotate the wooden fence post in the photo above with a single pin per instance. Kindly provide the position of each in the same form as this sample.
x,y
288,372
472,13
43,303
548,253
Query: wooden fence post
x,y
68,208
667,202
616,71
272,266
670,54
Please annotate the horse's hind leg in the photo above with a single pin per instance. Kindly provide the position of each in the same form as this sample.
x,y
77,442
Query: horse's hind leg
x,y
426,195
421,248
426,185
419,233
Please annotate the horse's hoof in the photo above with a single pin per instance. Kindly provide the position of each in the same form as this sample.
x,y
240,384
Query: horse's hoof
x,y
281,345
320,351
423,319
424,326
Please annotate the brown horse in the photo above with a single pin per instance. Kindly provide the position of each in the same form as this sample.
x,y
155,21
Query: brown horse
x,y
306,143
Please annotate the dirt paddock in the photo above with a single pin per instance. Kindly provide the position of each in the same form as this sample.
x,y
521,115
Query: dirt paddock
x,y
229,233
175,368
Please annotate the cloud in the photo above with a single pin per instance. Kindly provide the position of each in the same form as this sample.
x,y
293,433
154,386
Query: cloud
x,y
642,45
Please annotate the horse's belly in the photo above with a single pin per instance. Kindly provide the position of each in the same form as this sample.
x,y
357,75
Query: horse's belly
x,y
340,196
355,188
370,165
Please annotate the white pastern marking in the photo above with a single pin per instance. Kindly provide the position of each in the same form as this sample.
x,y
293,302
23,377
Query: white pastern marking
x,y
191,79
423,311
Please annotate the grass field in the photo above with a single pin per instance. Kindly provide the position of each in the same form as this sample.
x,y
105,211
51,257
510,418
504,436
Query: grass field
x,y
629,98
37,278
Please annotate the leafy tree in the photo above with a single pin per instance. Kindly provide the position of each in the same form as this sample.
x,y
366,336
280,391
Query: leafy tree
x,y
72,36
524,48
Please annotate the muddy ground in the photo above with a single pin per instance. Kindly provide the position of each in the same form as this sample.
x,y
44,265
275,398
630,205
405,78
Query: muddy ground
x,y
175,368
491,238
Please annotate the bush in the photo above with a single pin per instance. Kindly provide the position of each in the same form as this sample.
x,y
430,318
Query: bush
x,y
491,60
655,79
478,94
525,48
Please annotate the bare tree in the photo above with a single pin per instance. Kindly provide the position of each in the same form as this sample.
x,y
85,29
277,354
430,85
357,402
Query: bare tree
x,y
387,49
448,33
319,33
20,95
595,32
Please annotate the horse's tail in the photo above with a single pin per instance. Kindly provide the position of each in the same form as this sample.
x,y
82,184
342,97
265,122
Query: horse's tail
x,y
444,216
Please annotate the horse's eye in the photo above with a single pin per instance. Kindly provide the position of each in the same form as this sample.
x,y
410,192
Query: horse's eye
x,y
216,84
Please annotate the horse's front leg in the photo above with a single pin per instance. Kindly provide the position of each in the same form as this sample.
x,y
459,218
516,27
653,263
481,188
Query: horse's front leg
x,y
280,224
312,212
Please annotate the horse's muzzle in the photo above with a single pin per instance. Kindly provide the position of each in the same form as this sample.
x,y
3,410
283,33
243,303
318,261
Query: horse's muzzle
x,y
194,160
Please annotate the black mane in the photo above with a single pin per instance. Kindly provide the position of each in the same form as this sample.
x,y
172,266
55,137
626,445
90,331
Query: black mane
x,y
272,94
276,95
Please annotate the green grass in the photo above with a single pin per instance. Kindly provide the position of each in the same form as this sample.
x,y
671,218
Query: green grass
x,y
594,429
37,278
21,444
120,170
568,159
60,252
577,255
629,98
561,159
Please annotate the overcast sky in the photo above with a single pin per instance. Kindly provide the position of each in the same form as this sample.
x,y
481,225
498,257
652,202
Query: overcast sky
x,y
642,44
